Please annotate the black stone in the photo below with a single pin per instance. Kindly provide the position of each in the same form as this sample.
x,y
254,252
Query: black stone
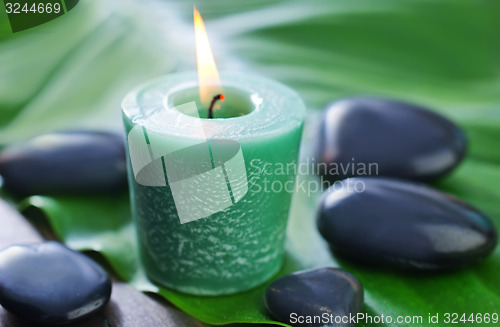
x,y
324,292
387,138
73,162
50,284
406,224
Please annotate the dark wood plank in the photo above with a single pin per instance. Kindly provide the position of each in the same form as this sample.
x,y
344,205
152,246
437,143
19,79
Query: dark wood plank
x,y
14,228
127,308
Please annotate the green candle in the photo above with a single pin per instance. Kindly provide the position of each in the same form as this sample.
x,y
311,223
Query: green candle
x,y
211,197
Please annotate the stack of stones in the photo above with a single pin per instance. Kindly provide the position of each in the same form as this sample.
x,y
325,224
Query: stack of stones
x,y
377,211
47,283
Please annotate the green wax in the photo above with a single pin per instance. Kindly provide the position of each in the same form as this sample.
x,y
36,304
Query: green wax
x,y
212,226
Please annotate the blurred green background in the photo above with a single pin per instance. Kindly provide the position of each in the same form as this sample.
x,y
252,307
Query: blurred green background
x,y
444,54
76,69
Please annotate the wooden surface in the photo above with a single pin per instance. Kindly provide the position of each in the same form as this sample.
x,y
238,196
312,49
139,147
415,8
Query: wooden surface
x,y
128,307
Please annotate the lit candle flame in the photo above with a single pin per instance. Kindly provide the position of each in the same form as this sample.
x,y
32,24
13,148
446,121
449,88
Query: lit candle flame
x,y
208,77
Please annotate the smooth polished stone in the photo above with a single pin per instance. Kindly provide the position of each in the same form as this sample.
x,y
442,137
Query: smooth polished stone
x,y
72,162
401,223
50,284
329,293
380,137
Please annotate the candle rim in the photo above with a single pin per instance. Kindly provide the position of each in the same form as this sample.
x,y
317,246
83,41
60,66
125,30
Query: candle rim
x,y
282,110
230,89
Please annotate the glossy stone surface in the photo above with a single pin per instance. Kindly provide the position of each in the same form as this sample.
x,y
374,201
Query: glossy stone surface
x,y
379,137
72,162
407,224
326,291
51,284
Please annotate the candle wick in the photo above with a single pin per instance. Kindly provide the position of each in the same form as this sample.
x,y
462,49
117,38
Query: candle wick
x,y
214,100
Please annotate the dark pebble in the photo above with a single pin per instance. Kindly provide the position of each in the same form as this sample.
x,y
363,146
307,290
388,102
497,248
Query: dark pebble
x,y
74,162
324,292
407,224
50,284
379,137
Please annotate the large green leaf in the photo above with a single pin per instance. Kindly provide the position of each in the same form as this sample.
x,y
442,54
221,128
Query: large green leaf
x,y
441,53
